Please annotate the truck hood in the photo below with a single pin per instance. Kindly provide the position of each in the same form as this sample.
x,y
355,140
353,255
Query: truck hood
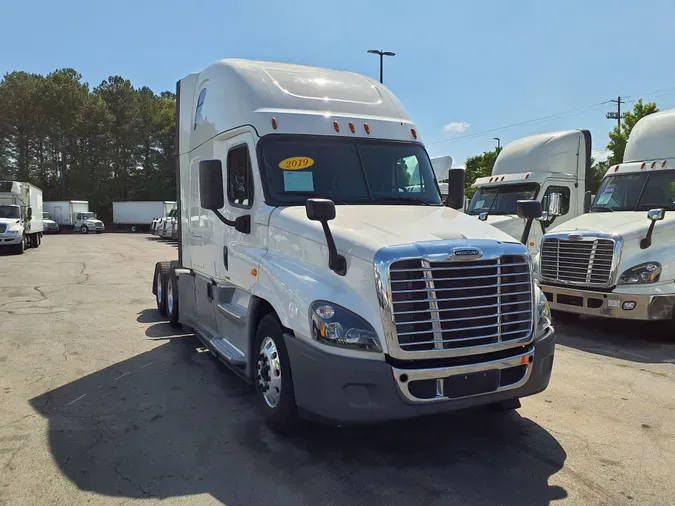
x,y
10,221
362,230
629,224
509,223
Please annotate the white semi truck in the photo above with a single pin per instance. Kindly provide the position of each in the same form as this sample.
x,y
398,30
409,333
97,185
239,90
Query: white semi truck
x,y
20,215
534,168
619,259
312,266
140,214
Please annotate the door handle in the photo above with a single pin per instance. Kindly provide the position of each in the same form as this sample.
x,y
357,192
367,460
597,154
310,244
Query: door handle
x,y
225,259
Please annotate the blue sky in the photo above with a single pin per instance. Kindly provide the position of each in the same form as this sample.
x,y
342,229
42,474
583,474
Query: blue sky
x,y
461,68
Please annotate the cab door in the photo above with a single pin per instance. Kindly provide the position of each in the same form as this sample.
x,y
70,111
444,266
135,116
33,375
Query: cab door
x,y
241,250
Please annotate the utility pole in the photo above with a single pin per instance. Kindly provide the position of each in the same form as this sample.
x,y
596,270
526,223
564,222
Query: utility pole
x,y
616,115
499,144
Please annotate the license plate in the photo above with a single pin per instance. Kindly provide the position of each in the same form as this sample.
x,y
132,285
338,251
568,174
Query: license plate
x,y
474,383
614,303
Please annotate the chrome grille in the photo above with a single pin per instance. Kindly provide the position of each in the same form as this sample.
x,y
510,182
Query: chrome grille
x,y
3,228
450,305
587,261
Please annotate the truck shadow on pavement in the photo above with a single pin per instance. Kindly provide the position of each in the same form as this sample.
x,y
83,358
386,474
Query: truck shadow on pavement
x,y
643,342
175,422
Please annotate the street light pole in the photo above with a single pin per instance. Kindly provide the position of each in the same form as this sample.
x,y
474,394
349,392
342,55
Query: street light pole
x,y
381,54
498,143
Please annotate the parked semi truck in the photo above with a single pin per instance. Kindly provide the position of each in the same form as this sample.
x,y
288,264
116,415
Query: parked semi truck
x,y
534,168
138,215
21,224
316,269
619,259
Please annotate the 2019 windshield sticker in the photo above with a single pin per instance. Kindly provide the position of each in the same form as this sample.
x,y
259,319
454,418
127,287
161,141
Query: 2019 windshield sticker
x,y
296,163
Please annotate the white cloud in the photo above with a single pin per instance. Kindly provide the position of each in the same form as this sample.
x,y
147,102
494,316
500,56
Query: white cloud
x,y
456,126
600,155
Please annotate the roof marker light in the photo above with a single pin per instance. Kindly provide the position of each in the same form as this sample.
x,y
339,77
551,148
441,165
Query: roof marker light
x,y
527,175
352,127
490,180
414,133
643,165
274,123
366,128
663,163
616,168
653,164
336,126
502,179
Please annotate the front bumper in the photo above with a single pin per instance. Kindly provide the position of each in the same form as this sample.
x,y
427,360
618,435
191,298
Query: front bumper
x,y
9,240
609,305
344,390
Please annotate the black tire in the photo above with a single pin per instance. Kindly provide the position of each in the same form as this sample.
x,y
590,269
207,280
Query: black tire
x,y
507,405
21,247
133,228
162,270
84,229
282,416
38,240
172,298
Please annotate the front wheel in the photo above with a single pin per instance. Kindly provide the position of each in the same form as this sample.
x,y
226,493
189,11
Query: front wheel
x,y
172,299
21,247
84,229
162,271
273,378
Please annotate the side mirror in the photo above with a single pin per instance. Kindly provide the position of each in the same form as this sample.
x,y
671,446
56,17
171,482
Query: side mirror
x,y
529,210
554,204
483,216
211,195
455,198
654,215
588,199
320,209
323,211
544,216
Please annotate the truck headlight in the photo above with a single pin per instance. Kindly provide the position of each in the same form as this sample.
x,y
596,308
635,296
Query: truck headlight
x,y
648,272
336,326
15,231
543,312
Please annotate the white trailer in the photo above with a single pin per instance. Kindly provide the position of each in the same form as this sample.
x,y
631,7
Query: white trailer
x,y
63,211
21,210
536,167
136,215
313,266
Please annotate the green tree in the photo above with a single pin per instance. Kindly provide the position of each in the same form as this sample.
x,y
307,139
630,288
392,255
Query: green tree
x,y
598,170
478,166
618,138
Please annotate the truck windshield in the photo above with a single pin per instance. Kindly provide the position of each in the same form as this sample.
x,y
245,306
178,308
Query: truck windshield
x,y
640,191
348,171
46,216
88,216
10,212
501,199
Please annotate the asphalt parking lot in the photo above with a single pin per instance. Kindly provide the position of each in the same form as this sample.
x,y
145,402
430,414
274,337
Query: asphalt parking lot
x,y
101,402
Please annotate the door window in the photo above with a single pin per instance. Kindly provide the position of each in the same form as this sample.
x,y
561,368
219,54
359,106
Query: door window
x,y
239,177
200,105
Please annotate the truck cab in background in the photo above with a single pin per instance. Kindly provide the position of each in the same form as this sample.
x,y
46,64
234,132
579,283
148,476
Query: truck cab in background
x,y
48,224
21,224
87,222
317,261
536,167
618,260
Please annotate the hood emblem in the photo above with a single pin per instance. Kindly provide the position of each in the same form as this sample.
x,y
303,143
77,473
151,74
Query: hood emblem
x,y
465,253
574,237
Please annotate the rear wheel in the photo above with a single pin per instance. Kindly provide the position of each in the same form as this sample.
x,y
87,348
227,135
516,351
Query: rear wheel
x,y
273,378
162,270
172,299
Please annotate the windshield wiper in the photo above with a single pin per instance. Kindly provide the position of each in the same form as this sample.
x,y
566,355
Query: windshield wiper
x,y
602,208
403,198
316,196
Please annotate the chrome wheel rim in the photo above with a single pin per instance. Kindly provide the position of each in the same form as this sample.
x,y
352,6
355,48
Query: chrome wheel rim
x,y
268,372
160,289
169,296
